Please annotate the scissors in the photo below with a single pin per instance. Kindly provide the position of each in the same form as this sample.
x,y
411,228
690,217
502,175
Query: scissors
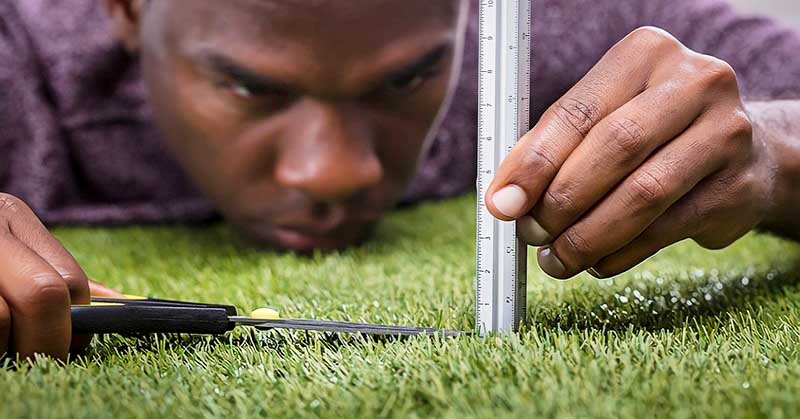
x,y
140,315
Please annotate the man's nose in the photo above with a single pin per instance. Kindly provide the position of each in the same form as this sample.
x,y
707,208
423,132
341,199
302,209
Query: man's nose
x,y
328,152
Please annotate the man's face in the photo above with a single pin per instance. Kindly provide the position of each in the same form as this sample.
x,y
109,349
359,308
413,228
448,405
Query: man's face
x,y
303,120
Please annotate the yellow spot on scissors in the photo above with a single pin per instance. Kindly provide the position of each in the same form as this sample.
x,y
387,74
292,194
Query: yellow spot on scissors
x,y
265,314
134,297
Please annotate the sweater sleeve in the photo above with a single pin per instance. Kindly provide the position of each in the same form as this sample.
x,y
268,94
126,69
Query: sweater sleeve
x,y
764,53
30,137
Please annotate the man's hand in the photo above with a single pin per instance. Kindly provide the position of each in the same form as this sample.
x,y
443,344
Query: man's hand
x,y
39,280
653,146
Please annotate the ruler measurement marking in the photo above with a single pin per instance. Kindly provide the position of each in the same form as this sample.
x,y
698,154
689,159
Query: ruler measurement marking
x,y
504,78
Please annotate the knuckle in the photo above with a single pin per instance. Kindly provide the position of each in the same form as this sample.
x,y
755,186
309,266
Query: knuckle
x,y
76,281
578,248
651,38
559,201
748,187
626,137
45,289
536,158
716,73
10,203
646,189
740,127
577,114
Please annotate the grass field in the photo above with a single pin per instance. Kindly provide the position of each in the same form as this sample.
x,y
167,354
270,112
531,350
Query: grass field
x,y
690,333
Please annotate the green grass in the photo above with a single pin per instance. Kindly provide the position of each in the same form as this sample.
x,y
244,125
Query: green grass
x,y
690,333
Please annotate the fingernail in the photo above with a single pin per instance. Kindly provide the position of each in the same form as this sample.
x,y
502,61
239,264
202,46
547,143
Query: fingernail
x,y
550,263
510,201
532,232
593,272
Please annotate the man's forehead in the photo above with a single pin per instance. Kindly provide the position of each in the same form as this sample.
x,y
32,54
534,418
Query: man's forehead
x,y
283,8
309,19
327,39
341,10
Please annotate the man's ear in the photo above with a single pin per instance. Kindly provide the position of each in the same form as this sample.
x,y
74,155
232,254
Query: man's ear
x,y
125,20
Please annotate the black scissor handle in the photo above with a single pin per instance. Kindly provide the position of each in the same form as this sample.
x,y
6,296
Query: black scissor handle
x,y
231,310
126,318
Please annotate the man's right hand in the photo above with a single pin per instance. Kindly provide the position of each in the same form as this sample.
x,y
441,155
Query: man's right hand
x,y
39,280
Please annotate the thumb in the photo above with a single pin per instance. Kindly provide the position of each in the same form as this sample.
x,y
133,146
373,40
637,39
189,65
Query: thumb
x,y
524,175
508,202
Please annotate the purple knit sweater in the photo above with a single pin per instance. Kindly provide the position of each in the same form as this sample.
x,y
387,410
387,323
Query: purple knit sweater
x,y
77,142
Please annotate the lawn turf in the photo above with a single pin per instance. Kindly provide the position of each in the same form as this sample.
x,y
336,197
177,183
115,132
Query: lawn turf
x,y
690,333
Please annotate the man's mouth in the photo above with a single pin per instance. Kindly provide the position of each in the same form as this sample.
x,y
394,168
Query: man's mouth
x,y
302,233
303,238
302,241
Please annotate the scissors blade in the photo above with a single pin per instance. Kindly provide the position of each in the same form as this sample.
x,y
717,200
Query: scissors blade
x,y
343,327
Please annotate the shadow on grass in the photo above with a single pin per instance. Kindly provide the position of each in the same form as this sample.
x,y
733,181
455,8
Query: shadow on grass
x,y
659,303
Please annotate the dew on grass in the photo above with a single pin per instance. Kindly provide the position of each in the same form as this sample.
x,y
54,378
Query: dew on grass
x,y
686,293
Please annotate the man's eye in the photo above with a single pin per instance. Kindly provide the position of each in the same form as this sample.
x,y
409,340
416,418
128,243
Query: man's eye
x,y
244,91
408,84
236,89
241,91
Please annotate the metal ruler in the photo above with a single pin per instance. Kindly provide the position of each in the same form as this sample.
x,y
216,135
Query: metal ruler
x,y
503,117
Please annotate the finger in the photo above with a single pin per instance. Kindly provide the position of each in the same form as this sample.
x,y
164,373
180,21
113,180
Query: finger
x,y
621,74
100,290
5,327
611,151
690,217
675,225
27,227
38,299
640,199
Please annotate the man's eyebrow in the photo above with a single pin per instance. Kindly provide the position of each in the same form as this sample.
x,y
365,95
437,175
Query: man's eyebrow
x,y
426,62
229,68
